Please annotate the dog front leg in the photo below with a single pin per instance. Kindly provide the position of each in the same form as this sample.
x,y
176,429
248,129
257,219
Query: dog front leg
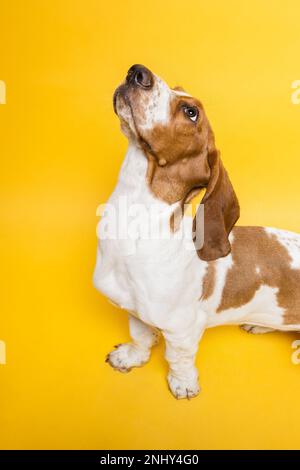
x,y
181,349
137,352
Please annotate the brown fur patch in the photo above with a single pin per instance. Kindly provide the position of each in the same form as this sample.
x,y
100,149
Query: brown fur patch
x,y
260,259
180,210
183,146
209,281
192,162
176,218
221,211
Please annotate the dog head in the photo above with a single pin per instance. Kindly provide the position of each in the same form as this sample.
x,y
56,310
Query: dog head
x,y
172,129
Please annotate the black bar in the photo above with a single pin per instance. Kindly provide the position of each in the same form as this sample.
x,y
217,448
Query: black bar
x,y
138,458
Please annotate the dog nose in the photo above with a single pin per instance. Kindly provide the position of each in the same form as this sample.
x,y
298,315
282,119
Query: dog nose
x,y
140,76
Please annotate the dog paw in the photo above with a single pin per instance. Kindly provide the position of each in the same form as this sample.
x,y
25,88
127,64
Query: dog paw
x,y
126,356
183,388
256,330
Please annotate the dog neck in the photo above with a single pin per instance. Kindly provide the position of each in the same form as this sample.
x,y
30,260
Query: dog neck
x,y
138,214
133,181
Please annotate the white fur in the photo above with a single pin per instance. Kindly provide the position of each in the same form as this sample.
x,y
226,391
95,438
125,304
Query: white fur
x,y
256,330
262,309
158,108
157,111
291,241
159,281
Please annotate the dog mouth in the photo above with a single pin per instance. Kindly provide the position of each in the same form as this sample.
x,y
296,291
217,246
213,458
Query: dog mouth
x,y
123,109
138,78
120,92
115,96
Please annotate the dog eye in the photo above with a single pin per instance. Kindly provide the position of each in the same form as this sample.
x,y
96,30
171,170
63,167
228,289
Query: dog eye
x,y
191,112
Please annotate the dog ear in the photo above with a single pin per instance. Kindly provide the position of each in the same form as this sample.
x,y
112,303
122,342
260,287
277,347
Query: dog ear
x,y
221,211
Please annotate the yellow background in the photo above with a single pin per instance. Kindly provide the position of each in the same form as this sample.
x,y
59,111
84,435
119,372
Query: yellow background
x,y
61,150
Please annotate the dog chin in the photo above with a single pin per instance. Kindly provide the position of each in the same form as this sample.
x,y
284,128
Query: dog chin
x,y
127,130
115,98
124,113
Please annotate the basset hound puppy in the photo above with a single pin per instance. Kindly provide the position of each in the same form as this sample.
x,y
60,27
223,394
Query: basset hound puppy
x,y
179,282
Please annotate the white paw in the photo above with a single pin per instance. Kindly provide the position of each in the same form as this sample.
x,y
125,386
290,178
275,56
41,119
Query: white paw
x,y
183,388
256,330
126,356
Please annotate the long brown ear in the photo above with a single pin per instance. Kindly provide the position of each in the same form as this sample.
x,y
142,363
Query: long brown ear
x,y
221,211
